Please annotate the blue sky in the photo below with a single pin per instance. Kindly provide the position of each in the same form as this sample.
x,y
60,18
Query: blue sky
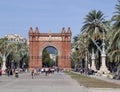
x,y
17,16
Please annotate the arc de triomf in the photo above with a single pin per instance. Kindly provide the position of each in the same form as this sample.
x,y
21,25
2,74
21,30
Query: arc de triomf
x,y
39,41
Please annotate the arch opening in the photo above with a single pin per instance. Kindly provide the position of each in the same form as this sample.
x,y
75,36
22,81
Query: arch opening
x,y
49,57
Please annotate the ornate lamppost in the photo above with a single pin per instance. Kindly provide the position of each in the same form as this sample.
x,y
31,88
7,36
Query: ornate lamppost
x,y
4,65
103,68
93,61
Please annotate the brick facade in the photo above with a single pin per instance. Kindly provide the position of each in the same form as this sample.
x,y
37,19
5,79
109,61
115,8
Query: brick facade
x,y
39,41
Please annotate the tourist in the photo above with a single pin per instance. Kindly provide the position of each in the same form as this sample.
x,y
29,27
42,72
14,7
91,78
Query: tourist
x,y
16,73
46,71
32,74
0,71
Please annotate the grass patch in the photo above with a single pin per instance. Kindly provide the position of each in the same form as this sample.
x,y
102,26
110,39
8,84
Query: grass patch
x,y
92,82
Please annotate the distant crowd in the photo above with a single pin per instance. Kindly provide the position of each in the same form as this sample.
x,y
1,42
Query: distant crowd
x,y
34,71
45,70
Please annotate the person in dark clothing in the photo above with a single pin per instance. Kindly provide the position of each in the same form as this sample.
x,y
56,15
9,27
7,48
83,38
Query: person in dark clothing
x,y
0,72
32,74
16,73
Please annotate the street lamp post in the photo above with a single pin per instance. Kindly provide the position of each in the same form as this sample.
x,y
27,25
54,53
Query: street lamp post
x,y
103,68
93,61
4,65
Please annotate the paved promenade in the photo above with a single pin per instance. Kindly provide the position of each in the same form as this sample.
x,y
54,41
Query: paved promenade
x,y
58,82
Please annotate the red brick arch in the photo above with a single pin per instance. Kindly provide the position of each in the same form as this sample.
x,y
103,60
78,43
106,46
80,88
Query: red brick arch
x,y
61,41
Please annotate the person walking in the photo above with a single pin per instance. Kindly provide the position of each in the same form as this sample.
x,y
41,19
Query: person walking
x,y
32,74
8,71
16,73
0,71
46,71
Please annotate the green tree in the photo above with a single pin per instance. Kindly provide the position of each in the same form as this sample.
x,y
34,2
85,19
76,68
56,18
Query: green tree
x,y
116,17
5,50
46,59
78,52
114,51
93,26
21,54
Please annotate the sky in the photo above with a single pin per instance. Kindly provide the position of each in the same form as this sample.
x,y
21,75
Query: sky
x,y
17,16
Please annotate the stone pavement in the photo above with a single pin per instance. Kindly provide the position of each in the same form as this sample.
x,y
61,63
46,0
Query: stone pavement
x,y
58,82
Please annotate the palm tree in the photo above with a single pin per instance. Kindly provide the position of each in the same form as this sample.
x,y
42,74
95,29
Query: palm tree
x,y
116,28
115,47
12,51
20,52
5,50
114,52
116,17
78,53
93,26
91,22
75,52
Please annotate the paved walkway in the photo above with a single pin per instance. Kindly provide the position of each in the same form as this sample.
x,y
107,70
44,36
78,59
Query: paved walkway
x,y
58,82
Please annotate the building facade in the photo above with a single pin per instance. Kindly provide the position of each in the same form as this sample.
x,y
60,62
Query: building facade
x,y
16,38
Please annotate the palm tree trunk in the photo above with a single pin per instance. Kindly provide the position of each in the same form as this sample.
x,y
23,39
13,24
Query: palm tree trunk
x,y
4,64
